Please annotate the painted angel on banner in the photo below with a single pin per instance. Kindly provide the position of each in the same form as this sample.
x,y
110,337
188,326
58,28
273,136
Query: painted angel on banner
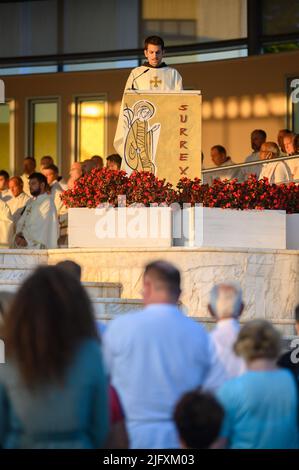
x,y
141,139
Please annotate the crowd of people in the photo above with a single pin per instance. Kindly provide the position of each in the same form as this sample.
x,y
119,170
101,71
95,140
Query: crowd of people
x,y
150,379
263,151
32,214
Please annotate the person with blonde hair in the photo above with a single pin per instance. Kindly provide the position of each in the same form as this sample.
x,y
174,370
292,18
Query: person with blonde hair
x,y
261,406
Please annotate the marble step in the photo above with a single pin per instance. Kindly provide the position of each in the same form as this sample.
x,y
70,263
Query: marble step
x,y
94,289
108,309
15,272
23,258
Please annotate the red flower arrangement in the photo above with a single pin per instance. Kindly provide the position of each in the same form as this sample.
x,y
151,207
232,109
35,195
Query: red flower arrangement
x,y
145,188
250,194
96,188
105,186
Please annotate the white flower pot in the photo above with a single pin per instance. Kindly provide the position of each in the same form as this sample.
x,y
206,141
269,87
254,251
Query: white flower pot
x,y
293,231
120,227
215,227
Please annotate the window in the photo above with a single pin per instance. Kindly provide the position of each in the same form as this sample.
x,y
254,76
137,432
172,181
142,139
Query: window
x,y
90,127
194,21
43,131
7,157
280,17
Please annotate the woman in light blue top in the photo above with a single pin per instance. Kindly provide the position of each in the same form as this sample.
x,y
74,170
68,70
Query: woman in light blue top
x,y
261,406
53,391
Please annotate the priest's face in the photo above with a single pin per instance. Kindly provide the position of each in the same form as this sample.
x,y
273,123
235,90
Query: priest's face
x,y
154,55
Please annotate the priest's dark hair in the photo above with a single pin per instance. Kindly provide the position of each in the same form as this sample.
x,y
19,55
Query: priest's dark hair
x,y
155,40
198,417
167,274
39,177
50,316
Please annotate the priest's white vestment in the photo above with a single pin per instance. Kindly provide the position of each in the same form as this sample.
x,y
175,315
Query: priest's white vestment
x,y
6,225
146,77
17,205
38,224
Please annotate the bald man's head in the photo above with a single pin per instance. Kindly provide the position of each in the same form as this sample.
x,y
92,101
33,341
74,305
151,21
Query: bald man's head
x,y
269,150
15,185
76,170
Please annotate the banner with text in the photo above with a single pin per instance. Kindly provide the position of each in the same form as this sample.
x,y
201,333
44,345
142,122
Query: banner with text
x,y
162,133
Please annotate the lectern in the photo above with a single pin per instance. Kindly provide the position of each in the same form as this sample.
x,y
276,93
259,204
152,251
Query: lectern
x,y
162,133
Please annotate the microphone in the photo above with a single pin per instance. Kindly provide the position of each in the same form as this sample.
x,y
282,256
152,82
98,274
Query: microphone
x,y
144,71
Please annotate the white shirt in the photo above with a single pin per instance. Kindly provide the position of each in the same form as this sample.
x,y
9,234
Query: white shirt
x,y
5,195
222,174
252,169
224,335
17,204
153,357
26,188
56,191
294,168
156,78
253,157
38,223
276,172
6,225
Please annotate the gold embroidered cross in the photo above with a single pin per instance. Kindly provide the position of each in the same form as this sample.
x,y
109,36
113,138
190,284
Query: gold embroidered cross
x,y
155,82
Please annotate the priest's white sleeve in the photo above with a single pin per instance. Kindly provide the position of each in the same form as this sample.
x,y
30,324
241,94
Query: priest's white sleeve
x,y
6,225
217,374
118,142
178,82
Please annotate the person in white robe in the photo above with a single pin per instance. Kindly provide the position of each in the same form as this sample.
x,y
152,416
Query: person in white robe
x,y
258,137
19,199
52,174
154,356
152,75
6,225
226,306
276,172
5,193
29,168
220,160
37,228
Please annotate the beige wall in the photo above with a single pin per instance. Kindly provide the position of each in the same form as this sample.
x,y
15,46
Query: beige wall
x,y
238,96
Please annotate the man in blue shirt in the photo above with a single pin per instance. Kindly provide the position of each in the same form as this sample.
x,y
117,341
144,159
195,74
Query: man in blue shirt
x,y
154,356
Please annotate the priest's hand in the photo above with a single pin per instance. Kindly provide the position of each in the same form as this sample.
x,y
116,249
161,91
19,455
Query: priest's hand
x,y
20,240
